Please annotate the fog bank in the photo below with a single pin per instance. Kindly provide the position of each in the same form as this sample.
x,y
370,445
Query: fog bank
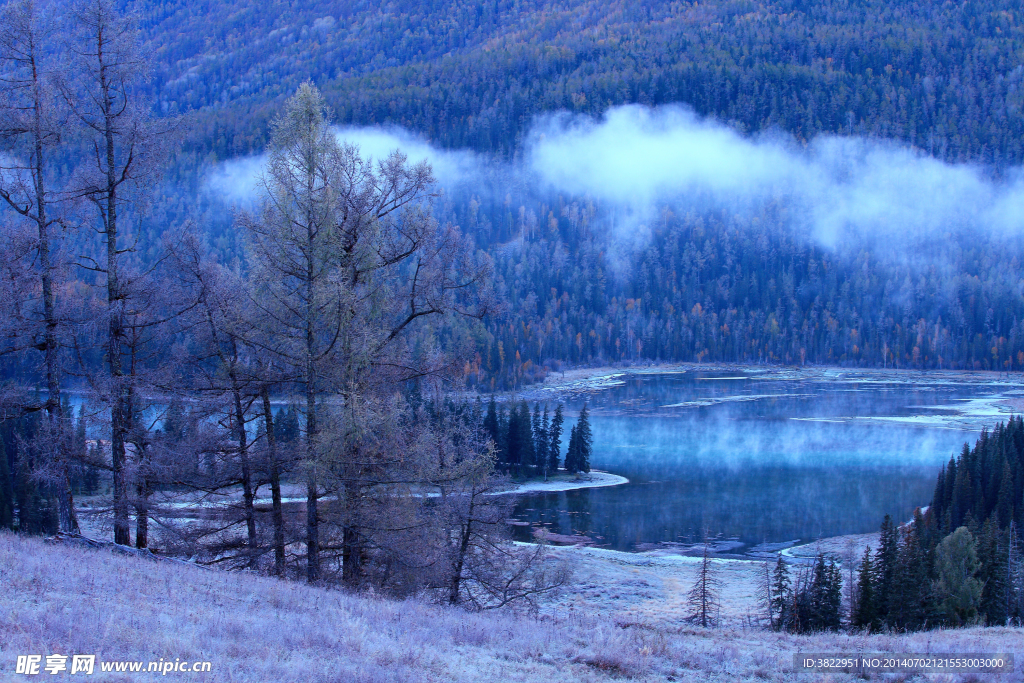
x,y
634,159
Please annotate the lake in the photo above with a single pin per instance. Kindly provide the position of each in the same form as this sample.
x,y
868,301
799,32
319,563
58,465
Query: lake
x,y
764,456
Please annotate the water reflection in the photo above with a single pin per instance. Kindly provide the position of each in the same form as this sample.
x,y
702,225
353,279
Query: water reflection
x,y
763,461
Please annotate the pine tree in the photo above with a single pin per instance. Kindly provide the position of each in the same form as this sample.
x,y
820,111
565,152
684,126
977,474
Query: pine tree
x,y
908,598
963,491
542,444
540,439
825,593
491,423
504,456
1014,584
514,439
286,424
1004,499
526,438
554,446
992,557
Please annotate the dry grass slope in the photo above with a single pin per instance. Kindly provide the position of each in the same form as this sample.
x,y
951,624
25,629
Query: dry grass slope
x,y
55,599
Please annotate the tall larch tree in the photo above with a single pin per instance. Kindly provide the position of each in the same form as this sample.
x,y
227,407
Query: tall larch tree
x,y
101,88
346,264
31,122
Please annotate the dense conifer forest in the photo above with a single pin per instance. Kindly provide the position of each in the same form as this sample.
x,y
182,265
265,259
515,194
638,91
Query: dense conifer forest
x,y
959,561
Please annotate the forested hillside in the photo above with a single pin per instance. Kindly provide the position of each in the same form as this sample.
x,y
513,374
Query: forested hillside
x,y
707,285
944,77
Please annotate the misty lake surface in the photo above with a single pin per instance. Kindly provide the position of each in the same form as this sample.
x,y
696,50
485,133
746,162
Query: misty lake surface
x,y
760,457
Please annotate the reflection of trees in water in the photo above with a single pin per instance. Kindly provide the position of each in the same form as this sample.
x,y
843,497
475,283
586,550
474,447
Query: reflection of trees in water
x,y
757,505
578,506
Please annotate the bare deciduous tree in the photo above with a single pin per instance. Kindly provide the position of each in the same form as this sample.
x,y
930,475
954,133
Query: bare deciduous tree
x,y
100,89
30,127
703,597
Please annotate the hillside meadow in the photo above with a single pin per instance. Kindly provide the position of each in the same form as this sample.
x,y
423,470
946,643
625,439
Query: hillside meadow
x,y
70,600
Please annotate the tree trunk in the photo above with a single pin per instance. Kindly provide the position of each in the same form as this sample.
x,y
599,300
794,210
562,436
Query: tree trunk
x,y
351,554
121,411
56,419
142,513
460,559
247,492
312,514
275,483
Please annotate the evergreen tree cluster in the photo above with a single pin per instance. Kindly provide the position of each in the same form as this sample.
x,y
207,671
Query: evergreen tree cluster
x,y
27,502
919,578
530,445
984,482
27,492
577,459
958,562
894,585
811,604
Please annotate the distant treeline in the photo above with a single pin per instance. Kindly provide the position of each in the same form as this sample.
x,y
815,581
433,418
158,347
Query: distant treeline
x,y
713,287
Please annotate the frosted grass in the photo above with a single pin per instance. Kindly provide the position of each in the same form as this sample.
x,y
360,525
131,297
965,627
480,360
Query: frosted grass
x,y
58,599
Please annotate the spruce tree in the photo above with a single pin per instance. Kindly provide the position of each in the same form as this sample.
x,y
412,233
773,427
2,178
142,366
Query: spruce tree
x,y
543,445
504,457
825,592
865,614
781,598
992,557
908,597
540,439
1014,585
491,423
586,440
1004,498
572,455
885,567
514,439
554,445
526,438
